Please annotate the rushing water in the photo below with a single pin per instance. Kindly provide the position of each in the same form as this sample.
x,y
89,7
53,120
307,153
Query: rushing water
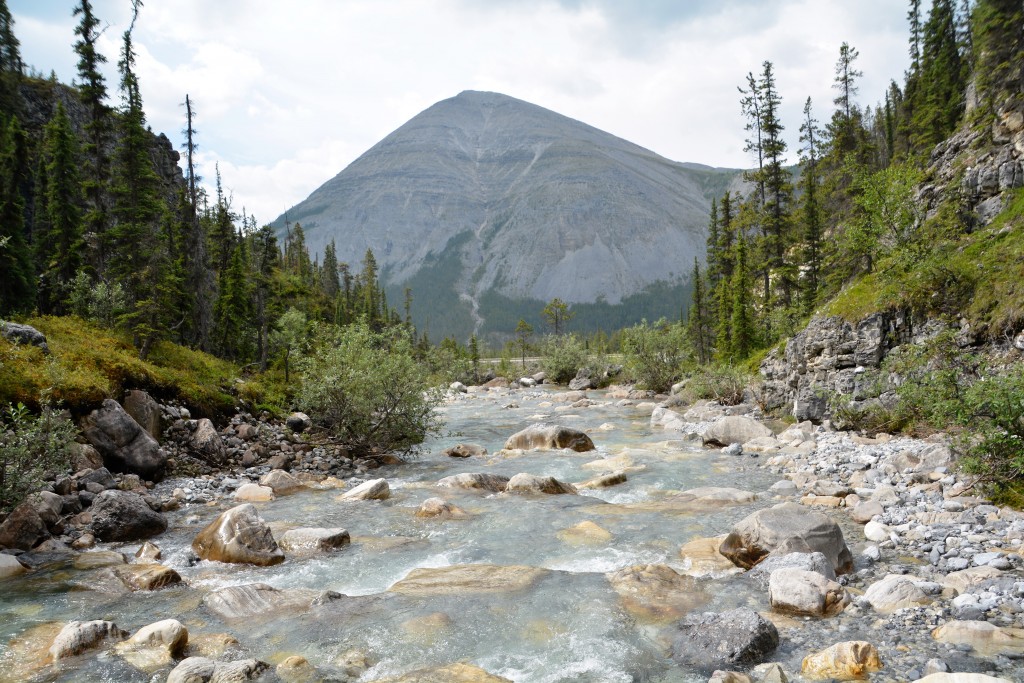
x,y
568,626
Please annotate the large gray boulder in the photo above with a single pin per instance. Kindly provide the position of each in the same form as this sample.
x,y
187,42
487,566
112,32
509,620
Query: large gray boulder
x,y
805,593
736,638
779,559
734,429
123,443
238,535
760,533
204,670
145,411
531,483
30,523
124,516
24,334
207,443
548,436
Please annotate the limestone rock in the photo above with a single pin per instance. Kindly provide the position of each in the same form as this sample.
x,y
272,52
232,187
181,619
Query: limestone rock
x,y
895,592
942,677
258,600
145,411
124,516
296,669
123,443
147,577
207,443
865,510
738,637
468,579
847,661
702,558
604,481
203,670
761,532
281,482
734,429
375,489
806,593
154,646
254,493
548,436
10,567
439,507
585,533
98,559
965,579
656,593
314,539
452,673
78,636
729,677
475,480
238,535
465,450
780,558
984,637
530,483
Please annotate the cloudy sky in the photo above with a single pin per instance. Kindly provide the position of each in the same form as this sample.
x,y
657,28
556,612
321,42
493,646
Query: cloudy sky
x,y
289,93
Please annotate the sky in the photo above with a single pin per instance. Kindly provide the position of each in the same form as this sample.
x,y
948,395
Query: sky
x,y
287,94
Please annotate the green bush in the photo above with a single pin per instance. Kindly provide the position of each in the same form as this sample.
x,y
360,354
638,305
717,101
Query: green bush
x,y
656,355
367,388
724,384
30,447
563,357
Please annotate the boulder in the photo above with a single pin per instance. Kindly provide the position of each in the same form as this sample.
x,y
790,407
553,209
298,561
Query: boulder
x,y
877,532
452,673
100,476
734,429
463,579
78,636
863,511
375,489
147,577
254,493
895,592
942,677
148,552
203,670
604,481
852,660
145,411
314,539
475,480
585,533
124,516
206,442
258,600
281,482
85,457
154,646
983,637
25,527
737,637
439,507
782,559
465,450
965,579
298,422
805,593
238,535
123,443
296,669
765,530
10,567
701,558
548,436
656,593
530,483
458,388
24,334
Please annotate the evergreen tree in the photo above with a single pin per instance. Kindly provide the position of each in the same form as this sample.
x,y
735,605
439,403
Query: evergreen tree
x,y
810,136
59,246
940,92
557,314
474,357
329,282
723,290
10,64
200,282
742,334
16,282
232,311
778,192
712,244
524,331
699,325
370,304
998,40
265,259
222,230
845,121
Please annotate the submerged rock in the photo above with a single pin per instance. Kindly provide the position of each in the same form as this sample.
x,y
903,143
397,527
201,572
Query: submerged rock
x,y
702,558
439,507
308,539
468,578
656,592
548,436
257,600
530,483
238,535
452,673
475,480
585,533
983,637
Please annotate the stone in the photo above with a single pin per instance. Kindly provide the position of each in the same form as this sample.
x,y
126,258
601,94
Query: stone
x,y
206,442
851,660
24,528
585,533
85,457
100,476
781,558
296,669
314,539
124,516
769,673
452,673
154,646
549,436
965,579
254,493
10,567
375,489
894,592
148,552
761,532
656,593
701,558
941,677
238,535
439,507
281,482
863,511
468,579
734,429
465,450
714,496
458,387
604,481
877,532
729,677
737,637
147,577
78,636
983,637
298,422
123,443
145,411
475,480
24,334
203,670
530,483
258,600
805,593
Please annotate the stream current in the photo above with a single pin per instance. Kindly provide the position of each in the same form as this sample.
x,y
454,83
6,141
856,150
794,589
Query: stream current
x,y
570,625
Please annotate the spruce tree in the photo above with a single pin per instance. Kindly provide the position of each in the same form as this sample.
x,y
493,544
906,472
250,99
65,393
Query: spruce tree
x,y
232,311
940,94
10,65
778,192
810,212
199,278
742,334
17,290
998,41
699,323
723,289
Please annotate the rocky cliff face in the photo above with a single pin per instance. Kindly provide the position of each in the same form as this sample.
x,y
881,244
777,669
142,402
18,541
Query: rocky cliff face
x,y
514,199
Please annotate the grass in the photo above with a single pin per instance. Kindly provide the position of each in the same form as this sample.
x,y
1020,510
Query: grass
x,y
88,363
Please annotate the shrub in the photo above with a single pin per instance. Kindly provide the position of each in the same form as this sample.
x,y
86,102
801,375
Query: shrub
x,y
367,388
656,354
30,447
563,357
724,384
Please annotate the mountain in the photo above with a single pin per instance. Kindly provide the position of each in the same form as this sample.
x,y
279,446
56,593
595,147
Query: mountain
x,y
488,207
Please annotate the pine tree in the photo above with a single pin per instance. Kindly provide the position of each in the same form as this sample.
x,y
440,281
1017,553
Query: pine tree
x,y
370,304
810,136
712,244
17,291
723,290
742,337
222,230
59,246
778,192
200,281
265,258
699,322
232,311
844,122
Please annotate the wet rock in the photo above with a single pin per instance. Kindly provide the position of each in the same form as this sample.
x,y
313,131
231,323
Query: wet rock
x,y
983,637
782,559
734,429
848,661
706,497
895,592
530,483
148,552
78,636
603,482
98,559
805,593
763,531
281,482
124,516
375,489
738,637
468,579
147,577
154,646
475,480
701,558
585,533
203,670
452,673
212,645
439,507
941,677
769,673
465,450
297,669
257,600
729,677
298,422
254,493
314,539
656,593
123,443
238,535
206,442
145,411
10,567
548,436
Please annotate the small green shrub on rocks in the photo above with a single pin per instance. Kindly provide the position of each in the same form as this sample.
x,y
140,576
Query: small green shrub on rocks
x,y
656,354
563,357
724,384
30,447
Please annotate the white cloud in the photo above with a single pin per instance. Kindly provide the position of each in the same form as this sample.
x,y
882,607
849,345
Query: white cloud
x,y
289,93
